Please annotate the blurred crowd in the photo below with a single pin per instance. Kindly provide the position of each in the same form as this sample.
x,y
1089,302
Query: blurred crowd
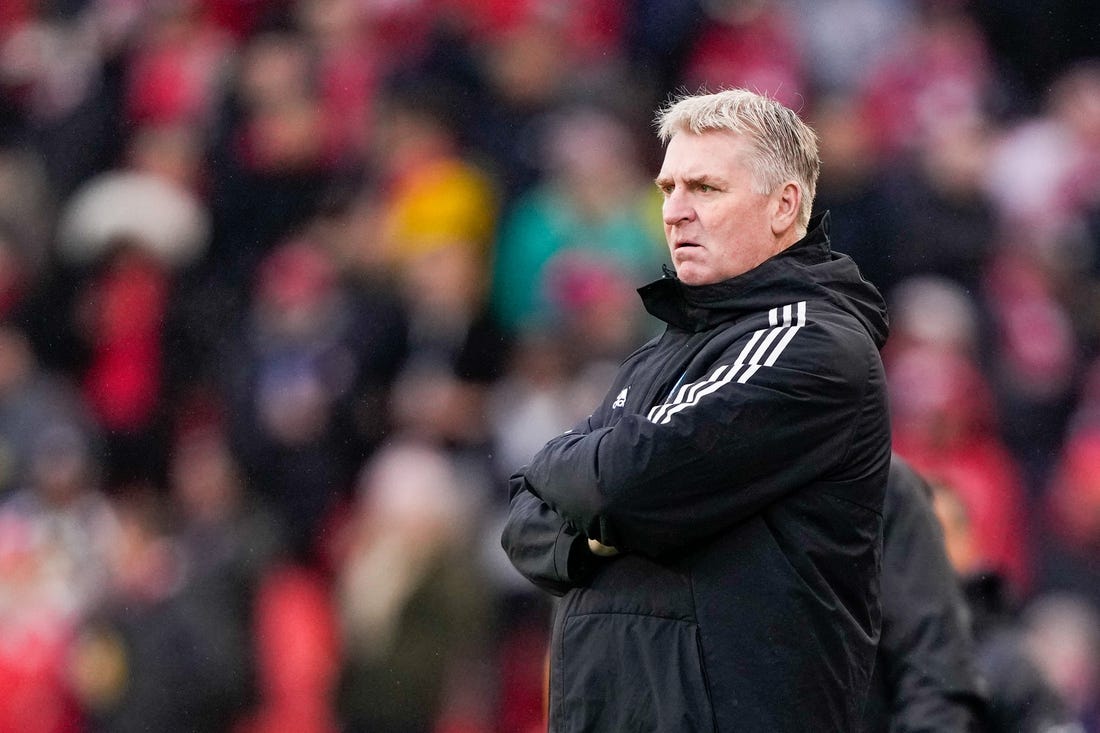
x,y
289,287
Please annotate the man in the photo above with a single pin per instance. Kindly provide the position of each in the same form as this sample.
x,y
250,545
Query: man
x,y
926,677
715,526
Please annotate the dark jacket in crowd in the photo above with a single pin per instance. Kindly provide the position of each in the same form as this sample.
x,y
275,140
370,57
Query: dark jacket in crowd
x,y
926,677
1021,699
739,464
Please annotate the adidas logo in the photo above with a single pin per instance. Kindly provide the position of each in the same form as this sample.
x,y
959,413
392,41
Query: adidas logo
x,y
620,401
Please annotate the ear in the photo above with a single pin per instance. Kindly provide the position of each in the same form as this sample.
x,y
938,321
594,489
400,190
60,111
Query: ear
x,y
785,205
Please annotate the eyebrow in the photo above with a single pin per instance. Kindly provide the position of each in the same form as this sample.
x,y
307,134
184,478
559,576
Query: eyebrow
x,y
661,182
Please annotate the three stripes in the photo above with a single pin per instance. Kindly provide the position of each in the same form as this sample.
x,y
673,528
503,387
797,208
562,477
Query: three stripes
x,y
762,350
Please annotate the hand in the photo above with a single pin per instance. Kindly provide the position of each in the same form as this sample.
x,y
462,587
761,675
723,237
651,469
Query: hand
x,y
600,549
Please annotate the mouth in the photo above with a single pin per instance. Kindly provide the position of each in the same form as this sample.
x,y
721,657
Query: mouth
x,y
681,250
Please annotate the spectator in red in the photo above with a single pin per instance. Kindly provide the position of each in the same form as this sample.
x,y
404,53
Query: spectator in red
x,y
298,654
939,72
752,45
176,67
55,538
1071,504
943,423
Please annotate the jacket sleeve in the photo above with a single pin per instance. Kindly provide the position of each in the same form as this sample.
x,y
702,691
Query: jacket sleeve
x,y
926,653
541,545
724,447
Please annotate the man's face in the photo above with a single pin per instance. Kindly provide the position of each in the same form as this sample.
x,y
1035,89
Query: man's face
x,y
716,225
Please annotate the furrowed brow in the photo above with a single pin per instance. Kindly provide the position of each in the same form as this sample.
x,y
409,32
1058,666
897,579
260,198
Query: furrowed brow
x,y
703,181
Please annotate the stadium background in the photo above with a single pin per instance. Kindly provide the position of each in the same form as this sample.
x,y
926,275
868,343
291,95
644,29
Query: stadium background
x,y
287,289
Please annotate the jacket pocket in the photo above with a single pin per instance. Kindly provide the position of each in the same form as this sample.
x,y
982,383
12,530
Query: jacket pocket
x,y
627,672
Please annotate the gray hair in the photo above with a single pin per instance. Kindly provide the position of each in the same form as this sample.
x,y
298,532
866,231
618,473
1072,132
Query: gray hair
x,y
784,147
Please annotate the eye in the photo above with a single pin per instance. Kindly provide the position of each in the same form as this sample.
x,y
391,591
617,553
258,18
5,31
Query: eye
x,y
706,188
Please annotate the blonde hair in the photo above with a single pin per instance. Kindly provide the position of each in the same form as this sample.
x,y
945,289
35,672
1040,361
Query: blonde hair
x,y
784,148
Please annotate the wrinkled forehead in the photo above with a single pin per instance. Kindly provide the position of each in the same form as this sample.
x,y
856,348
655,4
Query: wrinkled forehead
x,y
712,152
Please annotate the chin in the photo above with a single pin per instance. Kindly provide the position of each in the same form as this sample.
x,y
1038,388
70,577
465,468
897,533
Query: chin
x,y
691,276
692,271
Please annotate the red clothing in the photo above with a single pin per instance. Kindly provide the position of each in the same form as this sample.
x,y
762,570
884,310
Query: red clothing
x,y
981,471
128,306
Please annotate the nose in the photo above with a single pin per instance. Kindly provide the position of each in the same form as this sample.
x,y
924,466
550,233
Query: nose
x,y
677,207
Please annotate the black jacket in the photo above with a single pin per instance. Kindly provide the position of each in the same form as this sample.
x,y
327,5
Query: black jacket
x,y
926,678
739,463
1021,699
